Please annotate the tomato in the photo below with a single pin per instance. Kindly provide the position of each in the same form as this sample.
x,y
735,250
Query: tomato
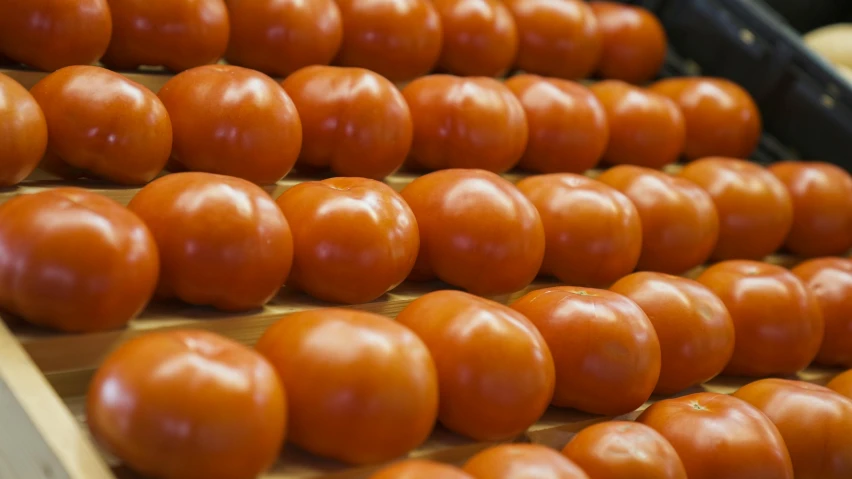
x,y
822,207
487,124
188,404
634,42
420,469
51,34
479,37
222,240
593,235
568,130
719,436
557,38
361,387
495,371
522,461
477,231
721,117
680,224
23,132
606,352
353,120
622,449
842,384
232,121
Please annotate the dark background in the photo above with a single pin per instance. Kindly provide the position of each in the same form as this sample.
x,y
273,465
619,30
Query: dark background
x,y
806,15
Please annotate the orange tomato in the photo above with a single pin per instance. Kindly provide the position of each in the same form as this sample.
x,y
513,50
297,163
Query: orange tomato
x,y
842,384
495,371
361,387
634,42
222,240
420,469
777,321
568,129
822,207
522,461
477,231
584,328
23,132
353,120
680,224
593,235
488,124
232,121
479,37
186,404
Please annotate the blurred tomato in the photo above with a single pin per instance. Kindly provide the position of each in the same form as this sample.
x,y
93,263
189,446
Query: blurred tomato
x,y
223,241
477,231
480,37
74,260
680,225
472,122
593,235
568,129
634,42
353,120
522,461
188,404
420,469
361,387
23,132
232,121
495,371
822,207
842,384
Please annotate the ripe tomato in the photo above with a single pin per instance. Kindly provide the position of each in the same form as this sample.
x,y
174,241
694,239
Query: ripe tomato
x,y
593,235
354,239
361,387
568,130
488,124
522,461
74,260
477,231
480,37
495,371
622,449
822,207
103,124
842,384
701,426
606,352
680,225
353,120
420,469
222,240
398,39
23,132
558,38
188,404
634,42
232,121
777,321
721,117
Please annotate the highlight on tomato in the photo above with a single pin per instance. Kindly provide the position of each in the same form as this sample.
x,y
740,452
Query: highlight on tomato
x,y
522,461
23,132
634,42
420,469
842,384
480,37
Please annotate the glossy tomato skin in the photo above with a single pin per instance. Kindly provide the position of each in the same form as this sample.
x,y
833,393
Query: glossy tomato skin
x,y
489,127
583,327
495,370
23,132
101,123
568,129
227,398
842,384
680,225
354,239
491,243
420,469
777,320
353,120
593,235
522,461
222,240
480,37
386,376
264,133
634,42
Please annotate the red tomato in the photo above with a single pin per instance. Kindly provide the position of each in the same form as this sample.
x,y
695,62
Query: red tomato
x,y
420,469
634,42
593,235
103,124
822,207
622,450
232,121
353,120
222,240
522,461
488,126
495,371
361,387
842,384
568,130
480,37
606,352
477,231
680,225
777,321
23,132
188,405
719,436
721,117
